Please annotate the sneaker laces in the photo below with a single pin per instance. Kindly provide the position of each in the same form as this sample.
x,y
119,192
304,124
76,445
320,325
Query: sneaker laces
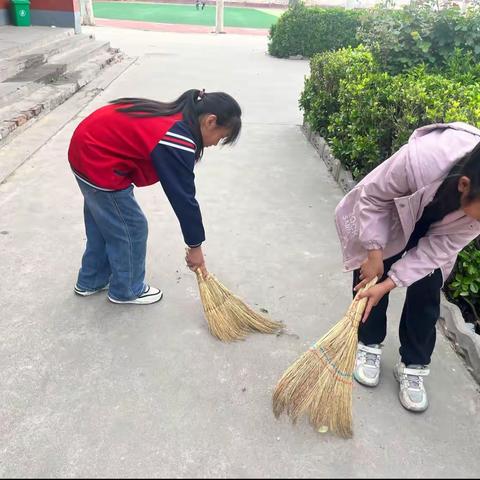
x,y
414,382
370,359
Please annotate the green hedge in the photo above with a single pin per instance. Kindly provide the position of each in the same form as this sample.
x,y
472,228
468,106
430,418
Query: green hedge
x,y
401,39
366,114
308,30
398,39
320,97
464,287
378,114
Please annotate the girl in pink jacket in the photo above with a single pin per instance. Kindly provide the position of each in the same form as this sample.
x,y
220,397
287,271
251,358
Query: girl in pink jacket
x,y
405,223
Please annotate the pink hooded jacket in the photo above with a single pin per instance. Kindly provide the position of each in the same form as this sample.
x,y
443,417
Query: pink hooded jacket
x,y
381,211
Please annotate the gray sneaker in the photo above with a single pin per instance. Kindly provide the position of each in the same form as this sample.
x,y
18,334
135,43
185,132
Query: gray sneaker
x,y
412,394
367,365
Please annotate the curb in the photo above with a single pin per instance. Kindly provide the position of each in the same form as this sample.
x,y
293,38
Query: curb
x,y
342,176
465,342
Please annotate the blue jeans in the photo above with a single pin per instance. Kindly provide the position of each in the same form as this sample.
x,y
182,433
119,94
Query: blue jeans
x,y
117,233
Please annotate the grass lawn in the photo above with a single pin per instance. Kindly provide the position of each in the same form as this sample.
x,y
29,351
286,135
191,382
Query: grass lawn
x,y
183,14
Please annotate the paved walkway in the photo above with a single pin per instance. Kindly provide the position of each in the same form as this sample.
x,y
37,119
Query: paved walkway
x,y
176,28
91,389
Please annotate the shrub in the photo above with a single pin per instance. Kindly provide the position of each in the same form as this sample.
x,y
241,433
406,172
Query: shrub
x,y
367,114
362,131
433,98
401,39
465,282
308,30
378,113
319,99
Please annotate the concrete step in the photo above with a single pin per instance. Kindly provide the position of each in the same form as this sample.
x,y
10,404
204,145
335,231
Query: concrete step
x,y
18,116
27,81
77,50
14,64
82,53
33,38
67,43
23,146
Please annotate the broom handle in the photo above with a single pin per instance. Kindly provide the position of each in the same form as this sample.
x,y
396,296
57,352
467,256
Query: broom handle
x,y
360,304
199,273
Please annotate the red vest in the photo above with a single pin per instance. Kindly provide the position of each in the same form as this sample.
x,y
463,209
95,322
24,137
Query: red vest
x,y
112,149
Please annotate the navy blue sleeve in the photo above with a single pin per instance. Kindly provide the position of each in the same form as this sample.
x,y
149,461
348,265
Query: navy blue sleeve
x,y
174,160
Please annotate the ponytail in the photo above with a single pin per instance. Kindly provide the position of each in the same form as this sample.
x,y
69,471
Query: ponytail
x,y
448,198
192,104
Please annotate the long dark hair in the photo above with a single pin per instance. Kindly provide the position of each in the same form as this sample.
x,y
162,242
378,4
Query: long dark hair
x,y
192,104
448,198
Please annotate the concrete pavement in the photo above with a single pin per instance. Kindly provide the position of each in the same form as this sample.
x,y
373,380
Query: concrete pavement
x,y
91,389
175,27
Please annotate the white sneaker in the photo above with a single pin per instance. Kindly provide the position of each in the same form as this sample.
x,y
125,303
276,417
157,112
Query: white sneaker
x,y
367,366
412,394
87,293
149,296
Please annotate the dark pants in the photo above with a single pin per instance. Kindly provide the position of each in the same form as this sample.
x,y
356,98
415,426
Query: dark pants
x,y
419,316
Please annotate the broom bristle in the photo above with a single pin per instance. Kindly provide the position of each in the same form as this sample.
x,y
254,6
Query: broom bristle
x,y
295,390
228,317
333,399
319,384
245,316
217,315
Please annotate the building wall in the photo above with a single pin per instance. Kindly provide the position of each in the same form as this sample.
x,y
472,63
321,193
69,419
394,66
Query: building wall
x,y
4,13
60,13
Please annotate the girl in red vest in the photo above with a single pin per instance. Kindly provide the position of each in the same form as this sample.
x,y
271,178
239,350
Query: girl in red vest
x,y
135,141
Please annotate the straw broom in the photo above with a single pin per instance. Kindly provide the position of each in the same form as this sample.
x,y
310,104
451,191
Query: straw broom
x,y
319,383
228,317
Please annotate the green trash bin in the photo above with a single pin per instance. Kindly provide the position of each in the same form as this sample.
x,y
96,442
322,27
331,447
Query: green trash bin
x,y
21,13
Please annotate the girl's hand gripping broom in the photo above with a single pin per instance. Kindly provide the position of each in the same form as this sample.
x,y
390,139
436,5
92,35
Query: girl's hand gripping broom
x,y
227,316
319,383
